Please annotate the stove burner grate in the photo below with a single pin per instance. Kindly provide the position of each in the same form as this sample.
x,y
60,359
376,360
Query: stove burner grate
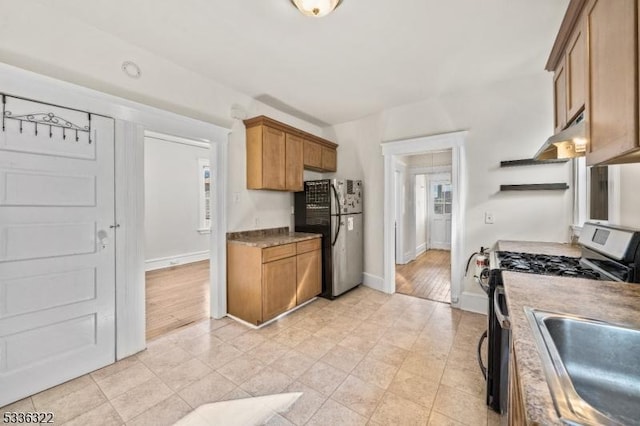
x,y
545,265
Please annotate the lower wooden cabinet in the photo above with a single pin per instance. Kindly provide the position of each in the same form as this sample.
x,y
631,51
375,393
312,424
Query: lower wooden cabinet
x,y
308,275
263,283
278,287
515,411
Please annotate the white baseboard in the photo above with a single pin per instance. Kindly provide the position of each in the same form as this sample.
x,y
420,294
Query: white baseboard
x,y
408,257
474,302
421,249
181,259
373,281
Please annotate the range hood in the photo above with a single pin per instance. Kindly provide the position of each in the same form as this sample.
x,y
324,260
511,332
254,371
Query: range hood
x,y
569,143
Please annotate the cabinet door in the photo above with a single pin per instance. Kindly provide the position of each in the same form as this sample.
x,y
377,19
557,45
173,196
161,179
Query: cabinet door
x,y
576,71
278,287
560,96
309,274
515,410
329,159
273,159
312,155
613,90
294,163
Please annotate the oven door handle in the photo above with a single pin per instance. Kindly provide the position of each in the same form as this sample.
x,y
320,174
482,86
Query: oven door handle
x,y
503,319
483,368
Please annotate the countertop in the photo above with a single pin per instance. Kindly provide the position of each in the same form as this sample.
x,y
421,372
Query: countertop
x,y
269,237
604,300
552,249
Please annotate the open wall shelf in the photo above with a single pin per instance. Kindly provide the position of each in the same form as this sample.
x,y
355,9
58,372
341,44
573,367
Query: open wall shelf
x,y
531,162
536,187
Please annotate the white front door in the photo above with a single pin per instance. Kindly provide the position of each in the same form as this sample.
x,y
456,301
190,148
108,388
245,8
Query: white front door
x,y
440,213
57,252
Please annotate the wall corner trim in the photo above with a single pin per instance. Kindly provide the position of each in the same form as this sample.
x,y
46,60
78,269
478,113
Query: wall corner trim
x,y
177,260
373,281
474,302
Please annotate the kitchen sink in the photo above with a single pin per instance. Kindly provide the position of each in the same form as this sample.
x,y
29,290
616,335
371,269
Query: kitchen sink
x,y
592,368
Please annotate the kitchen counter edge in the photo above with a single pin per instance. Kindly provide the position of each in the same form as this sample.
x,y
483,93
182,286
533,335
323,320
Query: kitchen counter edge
x,y
274,240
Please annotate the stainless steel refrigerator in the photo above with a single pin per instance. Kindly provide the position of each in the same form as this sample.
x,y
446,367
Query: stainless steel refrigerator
x,y
334,209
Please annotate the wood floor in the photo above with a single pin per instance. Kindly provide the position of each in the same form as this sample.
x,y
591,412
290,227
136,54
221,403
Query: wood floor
x,y
176,297
428,277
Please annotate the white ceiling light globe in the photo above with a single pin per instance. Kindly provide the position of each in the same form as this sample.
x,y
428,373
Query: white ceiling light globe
x,y
316,8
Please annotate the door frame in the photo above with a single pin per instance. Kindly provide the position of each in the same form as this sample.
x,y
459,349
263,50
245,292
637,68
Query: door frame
x,y
392,151
400,178
131,120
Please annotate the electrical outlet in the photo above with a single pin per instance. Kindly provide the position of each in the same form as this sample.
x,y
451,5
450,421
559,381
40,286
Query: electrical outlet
x,y
488,218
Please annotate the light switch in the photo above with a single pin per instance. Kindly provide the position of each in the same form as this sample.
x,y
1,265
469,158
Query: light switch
x,y
488,218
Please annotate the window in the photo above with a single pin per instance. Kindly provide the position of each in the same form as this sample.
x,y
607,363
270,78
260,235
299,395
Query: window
x,y
204,182
595,189
442,199
599,193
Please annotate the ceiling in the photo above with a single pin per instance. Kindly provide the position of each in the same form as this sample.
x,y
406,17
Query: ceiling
x,y
367,56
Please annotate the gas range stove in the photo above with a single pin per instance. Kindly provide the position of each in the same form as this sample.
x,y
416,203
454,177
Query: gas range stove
x,y
608,253
545,265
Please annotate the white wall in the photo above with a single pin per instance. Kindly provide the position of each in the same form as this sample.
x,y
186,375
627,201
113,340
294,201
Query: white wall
x,y
93,60
172,203
506,121
630,195
421,212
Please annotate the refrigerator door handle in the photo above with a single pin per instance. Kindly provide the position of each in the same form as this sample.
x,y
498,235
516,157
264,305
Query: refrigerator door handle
x,y
335,194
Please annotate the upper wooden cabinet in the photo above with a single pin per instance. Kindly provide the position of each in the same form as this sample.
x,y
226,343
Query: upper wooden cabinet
x,y
613,81
329,159
294,160
595,64
576,65
560,96
312,155
569,77
277,154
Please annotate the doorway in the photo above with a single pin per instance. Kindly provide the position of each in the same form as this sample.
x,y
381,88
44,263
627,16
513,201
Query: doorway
x,y
427,202
177,229
392,152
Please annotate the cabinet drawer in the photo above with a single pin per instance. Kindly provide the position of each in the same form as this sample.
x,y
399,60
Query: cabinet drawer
x,y
278,252
309,245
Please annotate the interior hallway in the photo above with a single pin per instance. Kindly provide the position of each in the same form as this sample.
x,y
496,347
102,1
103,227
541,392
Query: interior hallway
x,y
427,277
176,297
364,358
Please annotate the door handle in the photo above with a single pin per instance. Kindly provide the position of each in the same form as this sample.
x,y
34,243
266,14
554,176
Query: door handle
x,y
503,319
103,239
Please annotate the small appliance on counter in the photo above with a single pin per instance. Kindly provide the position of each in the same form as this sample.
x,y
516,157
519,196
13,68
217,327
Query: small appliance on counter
x,y
333,208
608,253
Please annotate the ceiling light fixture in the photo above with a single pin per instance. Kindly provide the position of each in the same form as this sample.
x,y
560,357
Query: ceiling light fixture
x,y
316,8
131,69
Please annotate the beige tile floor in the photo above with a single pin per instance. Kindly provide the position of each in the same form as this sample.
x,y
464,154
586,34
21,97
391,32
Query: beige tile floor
x,y
365,358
